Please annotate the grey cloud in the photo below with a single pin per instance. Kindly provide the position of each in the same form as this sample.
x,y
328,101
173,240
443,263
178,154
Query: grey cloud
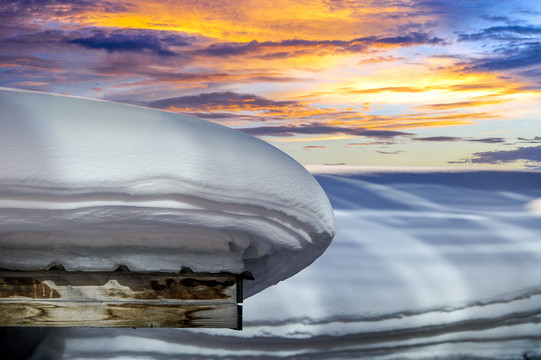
x,y
491,140
13,11
511,32
532,154
511,57
227,98
534,140
438,138
291,46
312,129
156,42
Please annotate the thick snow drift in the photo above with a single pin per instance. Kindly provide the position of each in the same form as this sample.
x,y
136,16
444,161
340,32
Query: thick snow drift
x,y
93,184
425,265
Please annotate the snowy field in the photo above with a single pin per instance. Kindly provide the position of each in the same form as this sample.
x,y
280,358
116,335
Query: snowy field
x,y
424,265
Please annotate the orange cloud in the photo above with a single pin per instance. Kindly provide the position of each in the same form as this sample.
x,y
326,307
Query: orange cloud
x,y
245,20
461,104
32,83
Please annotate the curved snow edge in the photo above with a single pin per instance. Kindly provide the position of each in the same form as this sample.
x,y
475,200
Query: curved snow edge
x,y
84,167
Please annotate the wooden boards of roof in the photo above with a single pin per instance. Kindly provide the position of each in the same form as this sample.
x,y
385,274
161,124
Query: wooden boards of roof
x,y
120,299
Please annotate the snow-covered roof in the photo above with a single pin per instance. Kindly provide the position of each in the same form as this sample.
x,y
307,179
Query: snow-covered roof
x,y
92,184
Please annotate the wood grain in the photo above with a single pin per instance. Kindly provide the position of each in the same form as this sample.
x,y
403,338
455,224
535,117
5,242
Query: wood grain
x,y
120,299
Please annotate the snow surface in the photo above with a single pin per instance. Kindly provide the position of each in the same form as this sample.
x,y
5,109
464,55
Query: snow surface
x,y
93,184
425,265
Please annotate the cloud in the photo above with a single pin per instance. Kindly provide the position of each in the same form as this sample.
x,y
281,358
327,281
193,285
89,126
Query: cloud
x,y
470,87
380,134
510,32
228,118
127,60
14,11
492,140
400,89
496,18
233,20
28,62
29,50
316,129
294,47
380,59
534,140
150,41
438,138
220,100
515,49
461,104
220,115
335,5
509,58
529,154
494,88
205,77
32,84
311,147
532,74
414,38
28,39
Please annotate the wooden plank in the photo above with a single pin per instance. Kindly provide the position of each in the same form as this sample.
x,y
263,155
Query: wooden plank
x,y
94,314
118,286
120,299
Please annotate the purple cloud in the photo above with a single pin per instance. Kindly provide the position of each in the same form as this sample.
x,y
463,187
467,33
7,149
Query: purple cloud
x,y
438,138
13,11
534,140
532,154
510,57
286,47
155,42
492,140
510,32
314,129
220,99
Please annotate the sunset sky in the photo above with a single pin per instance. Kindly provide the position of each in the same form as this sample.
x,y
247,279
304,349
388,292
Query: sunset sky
x,y
392,82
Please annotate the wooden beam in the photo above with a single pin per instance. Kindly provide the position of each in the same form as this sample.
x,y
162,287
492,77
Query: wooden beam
x,y
120,299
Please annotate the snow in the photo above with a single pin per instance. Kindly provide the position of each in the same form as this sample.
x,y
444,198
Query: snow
x,y
93,184
425,265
